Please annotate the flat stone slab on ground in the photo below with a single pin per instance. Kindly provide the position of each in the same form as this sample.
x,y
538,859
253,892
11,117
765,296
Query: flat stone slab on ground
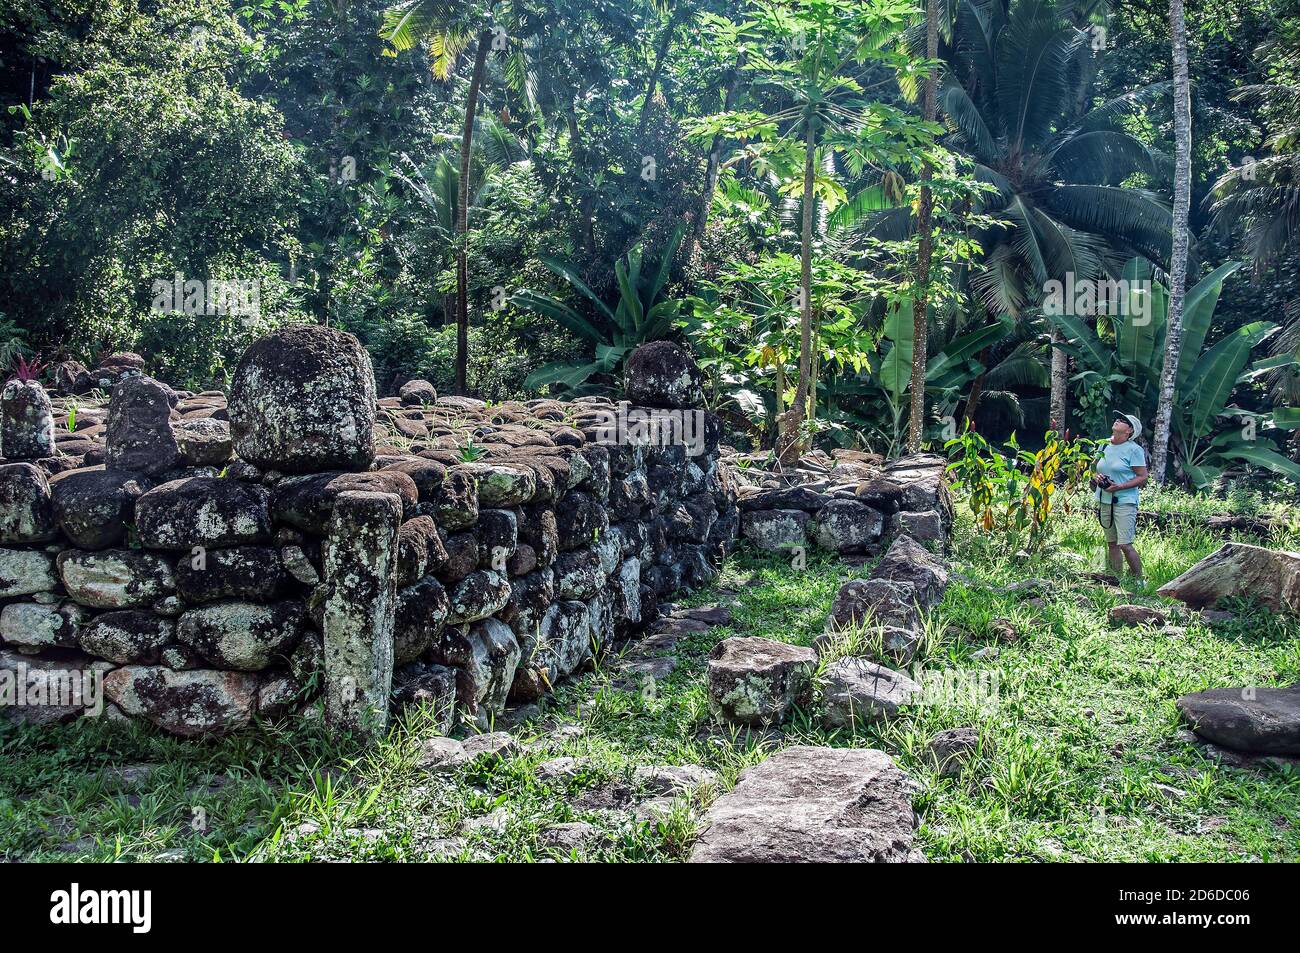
x,y
813,805
1253,720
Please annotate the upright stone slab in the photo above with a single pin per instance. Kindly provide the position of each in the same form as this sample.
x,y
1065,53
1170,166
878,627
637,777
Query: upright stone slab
x,y
139,437
26,421
361,586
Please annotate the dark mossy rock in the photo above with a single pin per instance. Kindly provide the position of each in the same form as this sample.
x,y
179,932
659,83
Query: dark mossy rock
x,y
203,511
663,374
26,506
307,501
303,400
254,573
128,637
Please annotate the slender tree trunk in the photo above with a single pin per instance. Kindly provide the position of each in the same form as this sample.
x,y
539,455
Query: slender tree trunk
x,y
1058,402
976,391
586,205
791,448
661,53
462,215
1178,250
714,164
921,300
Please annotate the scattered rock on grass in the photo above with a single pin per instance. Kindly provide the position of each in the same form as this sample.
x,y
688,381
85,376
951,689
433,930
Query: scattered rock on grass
x,y
755,681
856,692
1136,615
1253,720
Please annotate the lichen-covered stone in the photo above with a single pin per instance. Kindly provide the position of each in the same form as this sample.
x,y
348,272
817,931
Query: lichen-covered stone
x,y
139,437
501,485
92,505
847,526
862,602
128,637
756,681
663,374
775,530
203,441
485,654
303,400
906,561
307,502
578,574
186,703
246,636
115,578
251,573
457,502
199,511
34,625
856,692
26,507
418,392
360,609
580,521
26,421
480,594
421,612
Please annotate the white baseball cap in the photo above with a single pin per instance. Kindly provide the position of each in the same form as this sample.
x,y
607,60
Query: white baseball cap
x,y
1132,422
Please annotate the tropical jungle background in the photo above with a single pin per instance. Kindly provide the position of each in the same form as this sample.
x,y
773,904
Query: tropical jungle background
x,y
851,212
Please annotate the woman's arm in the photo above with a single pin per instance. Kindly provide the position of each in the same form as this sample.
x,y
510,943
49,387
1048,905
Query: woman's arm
x,y
1139,479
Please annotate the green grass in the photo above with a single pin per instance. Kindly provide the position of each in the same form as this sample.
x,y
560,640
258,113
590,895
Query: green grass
x,y
1082,757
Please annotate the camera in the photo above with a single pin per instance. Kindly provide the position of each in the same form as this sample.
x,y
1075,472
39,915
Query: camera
x,y
1103,482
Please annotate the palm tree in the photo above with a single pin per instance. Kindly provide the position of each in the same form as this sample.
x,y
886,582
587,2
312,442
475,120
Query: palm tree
x,y
450,28
1010,98
925,209
1178,256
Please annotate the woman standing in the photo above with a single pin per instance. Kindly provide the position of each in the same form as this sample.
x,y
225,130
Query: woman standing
x,y
1120,471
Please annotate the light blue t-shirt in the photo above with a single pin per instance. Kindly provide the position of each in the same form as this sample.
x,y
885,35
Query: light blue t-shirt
x,y
1117,462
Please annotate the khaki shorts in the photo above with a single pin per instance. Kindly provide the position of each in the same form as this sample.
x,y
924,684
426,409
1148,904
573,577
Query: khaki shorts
x,y
1119,521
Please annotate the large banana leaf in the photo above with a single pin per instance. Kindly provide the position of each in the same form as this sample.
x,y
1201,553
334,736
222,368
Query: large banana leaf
x,y
562,372
1261,455
1142,320
964,346
896,365
561,313
1086,343
567,272
1198,312
1215,374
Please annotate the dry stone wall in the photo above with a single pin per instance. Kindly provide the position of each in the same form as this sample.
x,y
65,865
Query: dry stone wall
x,y
198,560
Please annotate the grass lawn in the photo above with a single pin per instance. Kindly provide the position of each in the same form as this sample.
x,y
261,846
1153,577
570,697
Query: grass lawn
x,y
1083,757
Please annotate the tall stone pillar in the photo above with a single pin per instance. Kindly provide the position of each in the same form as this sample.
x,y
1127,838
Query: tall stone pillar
x,y
361,587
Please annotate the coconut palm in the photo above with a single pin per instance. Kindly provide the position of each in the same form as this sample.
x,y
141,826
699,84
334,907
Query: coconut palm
x,y
1010,98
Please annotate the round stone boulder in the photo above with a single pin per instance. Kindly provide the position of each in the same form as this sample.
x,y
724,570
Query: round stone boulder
x,y
93,504
26,508
128,637
190,703
242,635
663,374
303,400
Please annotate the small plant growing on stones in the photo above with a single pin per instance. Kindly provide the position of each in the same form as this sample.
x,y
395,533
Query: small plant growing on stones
x,y
470,451
72,417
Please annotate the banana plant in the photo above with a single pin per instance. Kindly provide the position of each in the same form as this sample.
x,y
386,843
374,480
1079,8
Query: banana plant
x,y
1130,366
640,315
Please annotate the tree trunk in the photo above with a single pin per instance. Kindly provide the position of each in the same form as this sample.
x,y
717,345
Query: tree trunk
x,y
714,164
921,300
586,205
661,53
790,438
976,390
1178,250
462,215
1058,403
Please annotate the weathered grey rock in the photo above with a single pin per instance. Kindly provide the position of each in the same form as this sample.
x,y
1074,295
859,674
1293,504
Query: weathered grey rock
x,y
295,561
115,578
1136,615
199,511
757,681
785,498
1271,576
564,639
303,400
1253,720
953,748
578,574
128,637
41,626
570,838
908,562
486,654
139,437
24,572
418,392
277,695
457,503
189,703
26,421
813,805
501,485
92,505
246,636
856,692
360,606
862,602
26,507
671,780
477,596
421,612
203,441
926,526
663,374
251,573
49,691
307,502
847,526
775,530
